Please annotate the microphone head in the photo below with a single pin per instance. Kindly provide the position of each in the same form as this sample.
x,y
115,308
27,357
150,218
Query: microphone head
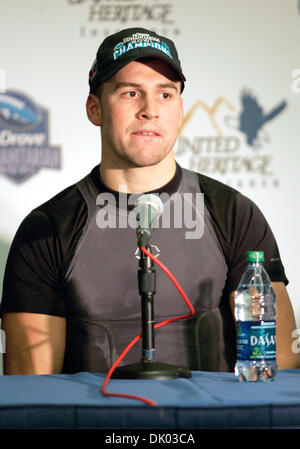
x,y
150,199
149,207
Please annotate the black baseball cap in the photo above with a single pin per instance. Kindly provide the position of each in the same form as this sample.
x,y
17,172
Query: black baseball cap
x,y
128,45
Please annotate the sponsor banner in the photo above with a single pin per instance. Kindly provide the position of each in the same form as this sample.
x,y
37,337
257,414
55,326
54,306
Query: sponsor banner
x,y
102,18
241,100
238,149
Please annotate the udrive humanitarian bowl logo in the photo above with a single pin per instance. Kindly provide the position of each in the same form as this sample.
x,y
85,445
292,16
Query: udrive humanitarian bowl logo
x,y
24,138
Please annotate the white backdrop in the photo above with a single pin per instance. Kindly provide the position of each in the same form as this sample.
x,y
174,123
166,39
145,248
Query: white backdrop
x,y
227,48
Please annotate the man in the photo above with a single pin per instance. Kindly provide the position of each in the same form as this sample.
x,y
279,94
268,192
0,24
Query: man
x,y
70,298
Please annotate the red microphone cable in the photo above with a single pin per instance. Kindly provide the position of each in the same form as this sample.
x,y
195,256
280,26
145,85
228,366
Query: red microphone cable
x,y
156,326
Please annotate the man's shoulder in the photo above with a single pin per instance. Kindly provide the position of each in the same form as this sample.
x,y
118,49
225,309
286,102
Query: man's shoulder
x,y
66,201
216,193
212,185
55,226
227,207
60,214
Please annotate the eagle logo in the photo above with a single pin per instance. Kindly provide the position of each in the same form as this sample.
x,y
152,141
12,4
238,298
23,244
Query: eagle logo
x,y
252,117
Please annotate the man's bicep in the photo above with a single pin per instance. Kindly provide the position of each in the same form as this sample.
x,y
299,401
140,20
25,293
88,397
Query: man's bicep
x,y
285,327
32,278
34,343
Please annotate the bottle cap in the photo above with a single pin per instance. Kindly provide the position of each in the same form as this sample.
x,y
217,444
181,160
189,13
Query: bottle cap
x,y
255,256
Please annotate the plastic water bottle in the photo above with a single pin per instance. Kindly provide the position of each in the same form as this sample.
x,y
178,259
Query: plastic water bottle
x,y
255,313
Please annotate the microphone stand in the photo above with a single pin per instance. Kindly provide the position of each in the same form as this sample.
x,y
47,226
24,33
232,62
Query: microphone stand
x,y
148,367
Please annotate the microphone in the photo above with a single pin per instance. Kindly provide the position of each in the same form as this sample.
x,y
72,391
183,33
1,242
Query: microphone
x,y
148,208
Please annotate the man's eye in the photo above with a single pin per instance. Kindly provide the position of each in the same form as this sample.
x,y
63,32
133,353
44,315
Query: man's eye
x,y
131,94
165,95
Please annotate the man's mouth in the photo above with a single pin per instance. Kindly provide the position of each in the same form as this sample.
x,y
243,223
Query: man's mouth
x,y
146,133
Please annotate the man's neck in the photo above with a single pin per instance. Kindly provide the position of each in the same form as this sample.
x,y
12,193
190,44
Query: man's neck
x,y
138,179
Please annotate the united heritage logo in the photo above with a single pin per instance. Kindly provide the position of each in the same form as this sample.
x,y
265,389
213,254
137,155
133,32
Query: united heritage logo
x,y
218,153
24,138
102,18
128,10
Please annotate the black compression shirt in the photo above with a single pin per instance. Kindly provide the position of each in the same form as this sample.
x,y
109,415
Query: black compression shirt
x,y
51,270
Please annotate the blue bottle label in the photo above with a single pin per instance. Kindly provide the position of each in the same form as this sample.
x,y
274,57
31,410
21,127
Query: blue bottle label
x,y
256,340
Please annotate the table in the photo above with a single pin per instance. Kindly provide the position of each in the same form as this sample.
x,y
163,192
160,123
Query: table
x,y
206,400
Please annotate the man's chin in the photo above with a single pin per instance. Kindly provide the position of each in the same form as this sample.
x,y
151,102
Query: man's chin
x,y
145,160
141,164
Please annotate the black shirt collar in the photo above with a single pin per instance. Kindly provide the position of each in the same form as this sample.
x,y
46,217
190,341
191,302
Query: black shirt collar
x,y
169,188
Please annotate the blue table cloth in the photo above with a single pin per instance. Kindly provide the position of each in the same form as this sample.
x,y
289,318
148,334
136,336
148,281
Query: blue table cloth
x,y
206,400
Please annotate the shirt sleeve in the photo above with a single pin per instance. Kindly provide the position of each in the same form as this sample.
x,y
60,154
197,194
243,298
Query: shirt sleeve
x,y
32,274
250,231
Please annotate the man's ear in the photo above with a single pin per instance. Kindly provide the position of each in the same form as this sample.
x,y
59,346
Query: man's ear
x,y
93,110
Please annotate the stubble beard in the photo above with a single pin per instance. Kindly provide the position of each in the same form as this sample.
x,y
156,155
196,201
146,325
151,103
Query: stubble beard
x,y
139,158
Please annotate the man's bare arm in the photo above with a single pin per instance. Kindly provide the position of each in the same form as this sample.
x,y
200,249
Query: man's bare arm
x,y
35,343
285,325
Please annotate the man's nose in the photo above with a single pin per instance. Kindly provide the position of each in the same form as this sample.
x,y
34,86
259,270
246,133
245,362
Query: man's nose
x,y
149,109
